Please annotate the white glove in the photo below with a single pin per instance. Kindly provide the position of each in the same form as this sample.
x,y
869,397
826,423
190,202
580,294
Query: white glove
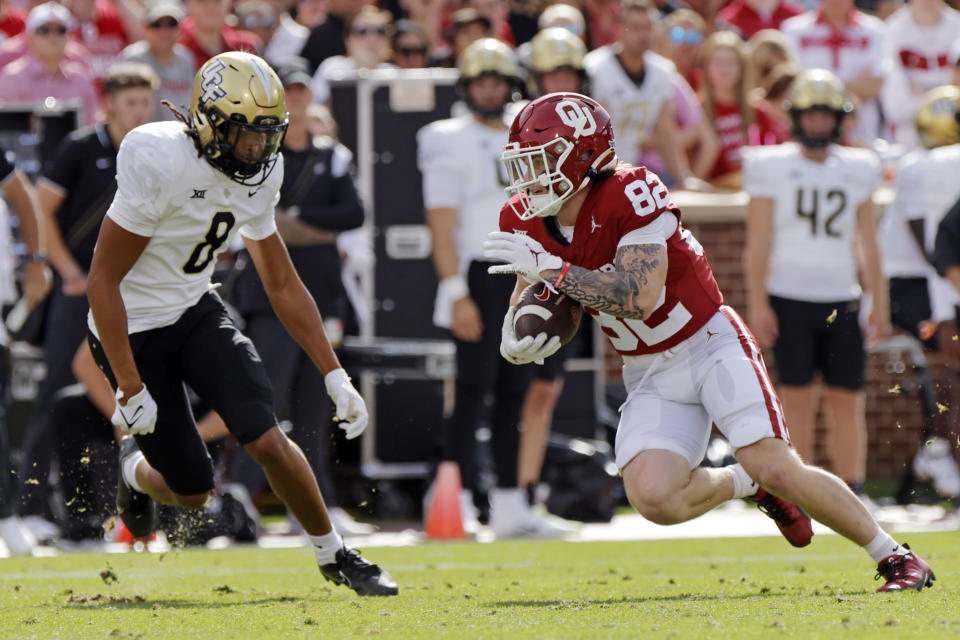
x,y
524,256
525,350
351,411
139,416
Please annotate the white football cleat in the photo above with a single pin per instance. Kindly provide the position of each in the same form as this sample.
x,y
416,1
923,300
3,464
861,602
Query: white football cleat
x,y
512,517
20,542
935,462
345,525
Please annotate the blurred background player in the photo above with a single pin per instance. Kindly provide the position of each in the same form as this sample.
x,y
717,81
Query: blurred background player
x,y
318,200
462,193
21,198
809,217
74,195
921,302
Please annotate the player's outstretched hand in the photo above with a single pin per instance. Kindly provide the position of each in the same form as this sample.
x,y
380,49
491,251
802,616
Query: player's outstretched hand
x,y
524,255
138,415
351,411
528,349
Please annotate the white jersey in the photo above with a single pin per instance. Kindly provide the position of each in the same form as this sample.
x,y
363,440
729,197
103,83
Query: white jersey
x,y
189,210
633,108
814,217
859,47
926,189
917,60
459,159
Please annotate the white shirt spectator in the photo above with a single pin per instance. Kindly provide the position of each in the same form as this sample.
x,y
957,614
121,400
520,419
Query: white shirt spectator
x,y
856,48
918,59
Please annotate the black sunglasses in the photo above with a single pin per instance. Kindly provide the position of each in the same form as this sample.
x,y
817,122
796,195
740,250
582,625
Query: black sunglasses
x,y
168,23
45,29
362,31
411,51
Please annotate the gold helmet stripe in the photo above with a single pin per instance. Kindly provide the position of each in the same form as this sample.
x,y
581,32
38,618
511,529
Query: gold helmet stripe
x,y
261,74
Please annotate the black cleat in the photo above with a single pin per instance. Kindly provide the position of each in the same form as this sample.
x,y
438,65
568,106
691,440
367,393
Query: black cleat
x,y
364,577
136,509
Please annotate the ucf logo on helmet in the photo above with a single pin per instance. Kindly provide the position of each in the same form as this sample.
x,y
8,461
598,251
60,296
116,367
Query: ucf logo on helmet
x,y
210,81
577,118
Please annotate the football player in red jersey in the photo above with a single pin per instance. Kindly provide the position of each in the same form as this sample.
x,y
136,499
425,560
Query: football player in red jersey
x,y
609,236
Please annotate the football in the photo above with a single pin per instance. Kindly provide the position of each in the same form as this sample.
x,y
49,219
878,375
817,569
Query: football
x,y
539,310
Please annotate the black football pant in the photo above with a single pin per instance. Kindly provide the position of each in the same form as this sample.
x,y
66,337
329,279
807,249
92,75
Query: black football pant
x,y
484,376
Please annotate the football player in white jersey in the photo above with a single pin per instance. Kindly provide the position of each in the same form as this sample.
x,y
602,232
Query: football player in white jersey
x,y
636,86
810,204
463,184
922,302
157,323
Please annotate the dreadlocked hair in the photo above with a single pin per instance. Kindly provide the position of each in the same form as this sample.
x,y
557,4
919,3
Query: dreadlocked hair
x,y
185,119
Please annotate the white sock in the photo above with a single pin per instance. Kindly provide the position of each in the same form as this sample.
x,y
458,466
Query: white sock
x,y
883,545
743,485
326,546
129,471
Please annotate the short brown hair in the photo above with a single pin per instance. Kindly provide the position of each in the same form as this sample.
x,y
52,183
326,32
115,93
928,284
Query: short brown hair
x,y
129,75
641,5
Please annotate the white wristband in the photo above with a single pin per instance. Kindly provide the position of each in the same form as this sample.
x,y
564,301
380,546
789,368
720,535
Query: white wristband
x,y
453,288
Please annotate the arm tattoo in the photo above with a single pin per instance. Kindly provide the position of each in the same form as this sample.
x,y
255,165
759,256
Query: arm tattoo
x,y
626,292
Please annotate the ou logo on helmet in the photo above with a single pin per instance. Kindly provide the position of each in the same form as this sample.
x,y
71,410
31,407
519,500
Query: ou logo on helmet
x,y
577,118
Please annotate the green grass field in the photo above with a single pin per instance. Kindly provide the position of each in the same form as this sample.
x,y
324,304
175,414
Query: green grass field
x,y
744,588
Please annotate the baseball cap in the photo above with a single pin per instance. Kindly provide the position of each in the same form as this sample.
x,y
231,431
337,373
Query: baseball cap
x,y
164,9
48,12
294,71
463,17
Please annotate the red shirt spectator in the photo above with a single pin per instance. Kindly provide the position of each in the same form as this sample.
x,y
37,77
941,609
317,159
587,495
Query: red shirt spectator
x,y
12,21
99,27
746,17
232,40
729,125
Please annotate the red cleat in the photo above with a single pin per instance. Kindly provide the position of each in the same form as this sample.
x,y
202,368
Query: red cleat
x,y
906,571
793,523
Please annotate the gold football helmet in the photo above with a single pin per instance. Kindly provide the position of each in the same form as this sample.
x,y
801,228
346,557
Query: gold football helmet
x,y
817,89
239,115
554,49
937,118
487,57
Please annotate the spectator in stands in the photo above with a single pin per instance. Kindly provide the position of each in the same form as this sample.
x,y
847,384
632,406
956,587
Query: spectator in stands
x,y
467,27
765,50
14,47
603,22
746,17
74,196
43,71
21,197
259,17
637,87
290,35
496,12
849,43
462,193
566,16
368,47
431,17
725,98
920,37
12,20
329,37
683,34
409,46
310,13
100,28
206,33
171,61
318,200
772,121
809,219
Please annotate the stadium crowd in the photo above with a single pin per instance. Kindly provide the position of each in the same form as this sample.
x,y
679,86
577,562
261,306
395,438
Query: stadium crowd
x,y
693,89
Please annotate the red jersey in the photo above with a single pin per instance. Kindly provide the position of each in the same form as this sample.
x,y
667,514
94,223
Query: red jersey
x,y
12,22
231,40
630,199
105,36
728,124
